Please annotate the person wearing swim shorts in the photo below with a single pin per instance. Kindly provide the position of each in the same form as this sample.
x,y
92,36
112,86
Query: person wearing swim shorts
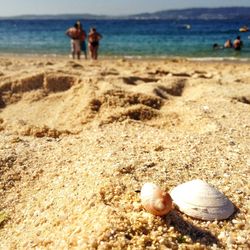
x,y
74,34
83,36
93,42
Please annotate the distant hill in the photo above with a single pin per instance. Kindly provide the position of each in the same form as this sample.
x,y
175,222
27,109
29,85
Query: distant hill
x,y
226,13
199,14
57,17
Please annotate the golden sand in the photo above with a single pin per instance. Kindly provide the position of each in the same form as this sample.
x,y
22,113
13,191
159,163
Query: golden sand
x,y
78,139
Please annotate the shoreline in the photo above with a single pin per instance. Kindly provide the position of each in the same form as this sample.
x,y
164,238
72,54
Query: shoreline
x,y
136,58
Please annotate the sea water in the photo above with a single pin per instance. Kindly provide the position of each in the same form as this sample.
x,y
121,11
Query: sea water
x,y
128,38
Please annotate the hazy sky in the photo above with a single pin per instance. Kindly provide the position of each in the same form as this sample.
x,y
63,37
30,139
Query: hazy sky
x,y
111,7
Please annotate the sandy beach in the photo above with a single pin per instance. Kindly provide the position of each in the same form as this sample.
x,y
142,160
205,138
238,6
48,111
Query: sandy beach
x,y
78,139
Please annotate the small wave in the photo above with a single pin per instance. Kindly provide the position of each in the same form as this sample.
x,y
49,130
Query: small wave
x,y
218,59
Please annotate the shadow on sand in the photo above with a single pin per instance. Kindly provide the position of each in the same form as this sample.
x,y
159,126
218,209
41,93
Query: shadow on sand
x,y
185,228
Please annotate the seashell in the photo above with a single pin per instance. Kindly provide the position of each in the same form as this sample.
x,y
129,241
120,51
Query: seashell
x,y
200,200
154,200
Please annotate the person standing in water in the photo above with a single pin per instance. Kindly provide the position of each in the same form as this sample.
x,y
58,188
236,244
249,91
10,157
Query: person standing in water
x,y
238,44
93,42
228,44
83,36
74,34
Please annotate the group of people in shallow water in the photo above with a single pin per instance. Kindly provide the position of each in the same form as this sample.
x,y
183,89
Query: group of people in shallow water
x,y
237,44
78,39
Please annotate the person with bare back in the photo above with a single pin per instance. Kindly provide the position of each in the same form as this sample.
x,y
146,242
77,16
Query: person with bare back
x,y
237,44
74,34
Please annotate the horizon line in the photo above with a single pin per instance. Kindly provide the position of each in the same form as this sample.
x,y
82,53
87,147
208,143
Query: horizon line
x,y
123,15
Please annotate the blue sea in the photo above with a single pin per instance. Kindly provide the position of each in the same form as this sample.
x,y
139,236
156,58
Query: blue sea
x,y
127,38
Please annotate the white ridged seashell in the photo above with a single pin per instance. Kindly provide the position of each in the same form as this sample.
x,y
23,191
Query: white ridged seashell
x,y
200,200
154,200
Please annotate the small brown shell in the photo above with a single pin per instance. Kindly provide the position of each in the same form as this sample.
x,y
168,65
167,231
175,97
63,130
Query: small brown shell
x,y
154,200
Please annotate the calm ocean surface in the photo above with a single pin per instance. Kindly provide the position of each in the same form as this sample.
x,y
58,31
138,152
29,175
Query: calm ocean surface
x,y
157,38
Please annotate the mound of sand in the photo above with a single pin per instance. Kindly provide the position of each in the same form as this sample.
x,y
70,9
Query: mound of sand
x,y
79,139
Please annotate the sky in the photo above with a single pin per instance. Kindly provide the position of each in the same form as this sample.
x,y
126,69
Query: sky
x,y
106,7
